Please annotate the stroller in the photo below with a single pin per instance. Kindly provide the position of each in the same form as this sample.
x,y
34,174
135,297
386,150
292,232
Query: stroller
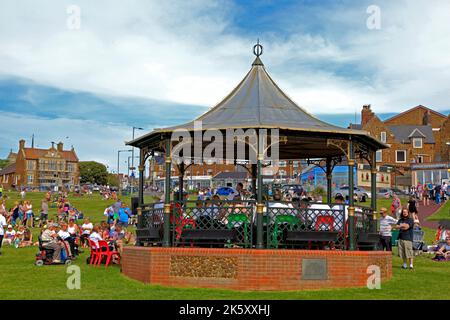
x,y
45,255
418,243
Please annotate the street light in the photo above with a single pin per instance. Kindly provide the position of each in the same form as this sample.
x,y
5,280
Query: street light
x,y
132,148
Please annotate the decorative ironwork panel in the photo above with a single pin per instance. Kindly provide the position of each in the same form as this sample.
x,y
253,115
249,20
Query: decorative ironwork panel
x,y
363,220
215,223
308,225
152,220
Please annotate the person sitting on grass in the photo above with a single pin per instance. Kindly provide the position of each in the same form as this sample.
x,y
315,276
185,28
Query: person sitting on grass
x,y
116,238
10,235
444,251
19,236
26,238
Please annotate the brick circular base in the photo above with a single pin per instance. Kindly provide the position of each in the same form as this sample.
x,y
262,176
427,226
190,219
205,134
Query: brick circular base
x,y
251,269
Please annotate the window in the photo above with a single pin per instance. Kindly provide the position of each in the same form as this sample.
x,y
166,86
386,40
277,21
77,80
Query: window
x,y
417,143
400,156
379,156
71,167
282,163
31,165
419,159
30,178
383,136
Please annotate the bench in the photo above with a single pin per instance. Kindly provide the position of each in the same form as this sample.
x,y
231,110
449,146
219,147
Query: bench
x,y
367,240
147,235
208,235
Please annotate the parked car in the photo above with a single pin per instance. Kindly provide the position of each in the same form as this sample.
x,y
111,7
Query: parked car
x,y
389,192
385,193
225,191
399,192
359,191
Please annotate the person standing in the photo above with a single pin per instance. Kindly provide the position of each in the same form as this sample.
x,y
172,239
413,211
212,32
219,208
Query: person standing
x,y
395,206
386,223
44,213
425,195
412,205
405,238
437,193
2,229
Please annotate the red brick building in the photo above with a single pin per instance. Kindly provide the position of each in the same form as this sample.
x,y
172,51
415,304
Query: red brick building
x,y
416,136
34,167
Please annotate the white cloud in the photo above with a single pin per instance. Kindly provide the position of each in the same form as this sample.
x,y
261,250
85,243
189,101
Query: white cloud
x,y
188,52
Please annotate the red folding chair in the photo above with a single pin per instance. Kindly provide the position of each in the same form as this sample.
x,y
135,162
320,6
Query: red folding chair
x,y
105,250
95,252
324,221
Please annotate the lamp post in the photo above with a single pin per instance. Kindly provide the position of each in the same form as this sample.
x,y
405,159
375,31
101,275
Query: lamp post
x,y
132,149
132,155
118,165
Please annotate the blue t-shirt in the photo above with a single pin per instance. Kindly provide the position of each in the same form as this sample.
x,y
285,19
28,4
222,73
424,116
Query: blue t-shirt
x,y
123,216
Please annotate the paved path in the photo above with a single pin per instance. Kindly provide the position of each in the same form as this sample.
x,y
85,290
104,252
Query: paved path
x,y
425,212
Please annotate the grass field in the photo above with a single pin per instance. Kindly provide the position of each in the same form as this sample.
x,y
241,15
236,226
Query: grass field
x,y
21,279
442,214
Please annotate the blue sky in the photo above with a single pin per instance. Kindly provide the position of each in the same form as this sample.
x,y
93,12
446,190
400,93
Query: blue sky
x,y
155,63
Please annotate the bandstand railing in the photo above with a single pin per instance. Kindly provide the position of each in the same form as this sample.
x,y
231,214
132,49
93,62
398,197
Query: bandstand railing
x,y
306,226
232,224
213,223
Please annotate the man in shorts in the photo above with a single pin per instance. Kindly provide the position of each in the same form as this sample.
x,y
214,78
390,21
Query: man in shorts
x,y
405,238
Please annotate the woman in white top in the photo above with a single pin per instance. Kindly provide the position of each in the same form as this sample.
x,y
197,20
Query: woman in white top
x,y
86,229
95,236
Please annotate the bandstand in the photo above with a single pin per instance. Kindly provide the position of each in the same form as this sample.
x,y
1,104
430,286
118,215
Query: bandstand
x,y
254,242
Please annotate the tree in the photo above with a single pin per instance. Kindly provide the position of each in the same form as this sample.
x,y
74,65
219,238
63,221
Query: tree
x,y
93,172
113,180
3,163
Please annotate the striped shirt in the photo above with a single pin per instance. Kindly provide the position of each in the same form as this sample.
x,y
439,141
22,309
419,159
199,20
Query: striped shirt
x,y
385,226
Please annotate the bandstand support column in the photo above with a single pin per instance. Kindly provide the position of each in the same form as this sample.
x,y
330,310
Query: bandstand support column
x,y
373,184
351,202
329,181
166,240
181,169
254,178
259,204
141,187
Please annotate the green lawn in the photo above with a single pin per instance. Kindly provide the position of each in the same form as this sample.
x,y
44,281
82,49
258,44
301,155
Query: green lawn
x,y
21,279
442,214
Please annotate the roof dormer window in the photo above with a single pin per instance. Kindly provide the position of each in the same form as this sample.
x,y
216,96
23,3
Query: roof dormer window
x,y
417,143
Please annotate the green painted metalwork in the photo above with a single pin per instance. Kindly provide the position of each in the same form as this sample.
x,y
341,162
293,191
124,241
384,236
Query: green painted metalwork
x,y
166,241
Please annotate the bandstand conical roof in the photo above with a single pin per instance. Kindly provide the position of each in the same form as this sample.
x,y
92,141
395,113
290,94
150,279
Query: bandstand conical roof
x,y
257,102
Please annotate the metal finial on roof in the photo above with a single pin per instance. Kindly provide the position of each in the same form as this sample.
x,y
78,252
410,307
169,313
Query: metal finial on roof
x,y
257,49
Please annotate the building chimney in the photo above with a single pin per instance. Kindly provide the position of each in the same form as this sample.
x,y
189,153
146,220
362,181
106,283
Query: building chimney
x,y
366,114
426,118
60,147
21,144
